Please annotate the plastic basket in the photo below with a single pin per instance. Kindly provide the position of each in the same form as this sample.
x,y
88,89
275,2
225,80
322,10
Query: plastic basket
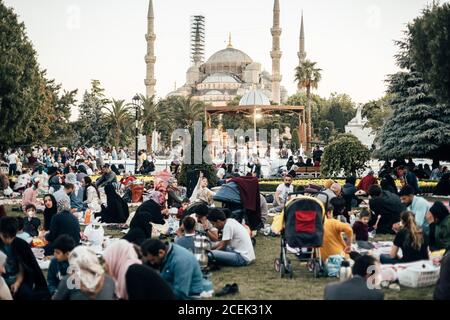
x,y
419,276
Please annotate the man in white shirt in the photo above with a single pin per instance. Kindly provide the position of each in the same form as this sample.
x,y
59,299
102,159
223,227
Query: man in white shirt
x,y
235,248
281,194
12,162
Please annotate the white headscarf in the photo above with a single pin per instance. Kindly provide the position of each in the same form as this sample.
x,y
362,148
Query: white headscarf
x,y
88,271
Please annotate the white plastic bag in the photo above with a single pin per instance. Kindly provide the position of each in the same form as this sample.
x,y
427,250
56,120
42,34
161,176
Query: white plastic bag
x,y
95,233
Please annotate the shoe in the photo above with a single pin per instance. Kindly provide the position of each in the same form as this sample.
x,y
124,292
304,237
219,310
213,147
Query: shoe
x,y
228,289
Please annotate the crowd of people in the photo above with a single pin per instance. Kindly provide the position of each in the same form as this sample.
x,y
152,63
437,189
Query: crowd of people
x,y
60,185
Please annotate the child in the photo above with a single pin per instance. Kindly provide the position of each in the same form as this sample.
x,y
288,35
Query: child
x,y
63,245
361,227
31,223
22,234
182,209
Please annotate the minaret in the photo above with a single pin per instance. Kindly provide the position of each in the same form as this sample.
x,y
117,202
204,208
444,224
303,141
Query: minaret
x,y
302,52
150,57
276,53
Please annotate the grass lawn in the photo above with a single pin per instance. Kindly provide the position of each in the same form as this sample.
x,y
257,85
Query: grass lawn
x,y
260,281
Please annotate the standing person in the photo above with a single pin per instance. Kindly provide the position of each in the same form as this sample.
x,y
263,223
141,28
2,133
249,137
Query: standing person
x,y
23,274
178,266
443,186
235,247
407,177
57,269
12,163
49,210
133,280
317,154
348,193
114,156
91,196
411,239
116,210
417,205
86,269
367,181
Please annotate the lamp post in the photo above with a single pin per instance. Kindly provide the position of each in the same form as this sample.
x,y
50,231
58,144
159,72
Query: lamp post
x,y
256,116
136,100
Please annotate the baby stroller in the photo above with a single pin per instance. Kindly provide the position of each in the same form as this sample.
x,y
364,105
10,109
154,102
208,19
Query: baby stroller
x,y
230,197
304,216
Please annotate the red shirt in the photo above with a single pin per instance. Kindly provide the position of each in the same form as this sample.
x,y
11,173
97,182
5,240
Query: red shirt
x,y
366,182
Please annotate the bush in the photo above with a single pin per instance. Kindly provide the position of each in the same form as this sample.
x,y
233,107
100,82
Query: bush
x,y
345,155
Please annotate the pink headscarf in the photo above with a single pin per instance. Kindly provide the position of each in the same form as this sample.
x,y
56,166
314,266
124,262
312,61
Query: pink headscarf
x,y
119,256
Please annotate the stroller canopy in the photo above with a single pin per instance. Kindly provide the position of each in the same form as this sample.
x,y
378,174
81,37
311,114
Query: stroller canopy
x,y
228,193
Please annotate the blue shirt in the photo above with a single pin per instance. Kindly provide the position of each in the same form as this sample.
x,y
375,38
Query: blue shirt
x,y
56,271
182,271
420,207
186,242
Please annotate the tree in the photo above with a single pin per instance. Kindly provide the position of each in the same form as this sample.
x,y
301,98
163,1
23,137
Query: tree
x,y
118,119
187,111
92,127
344,155
20,80
377,112
339,109
308,76
429,41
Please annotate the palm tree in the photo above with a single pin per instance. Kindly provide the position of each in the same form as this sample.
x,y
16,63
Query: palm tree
x,y
151,115
308,76
118,119
187,111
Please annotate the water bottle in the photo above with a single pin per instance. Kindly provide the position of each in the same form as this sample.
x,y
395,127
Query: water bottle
x,y
345,271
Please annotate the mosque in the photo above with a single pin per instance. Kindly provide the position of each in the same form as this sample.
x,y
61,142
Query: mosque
x,y
229,72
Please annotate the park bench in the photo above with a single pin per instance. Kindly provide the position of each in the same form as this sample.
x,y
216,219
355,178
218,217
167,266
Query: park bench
x,y
308,172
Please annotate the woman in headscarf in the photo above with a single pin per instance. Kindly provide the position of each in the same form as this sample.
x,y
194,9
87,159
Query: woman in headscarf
x,y
76,197
439,219
133,280
443,186
91,196
174,198
116,210
87,278
140,226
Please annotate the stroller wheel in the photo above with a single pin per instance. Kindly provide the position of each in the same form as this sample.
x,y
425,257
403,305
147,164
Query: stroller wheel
x,y
277,265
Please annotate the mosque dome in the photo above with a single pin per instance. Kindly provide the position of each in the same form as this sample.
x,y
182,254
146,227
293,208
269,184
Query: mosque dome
x,y
229,56
254,97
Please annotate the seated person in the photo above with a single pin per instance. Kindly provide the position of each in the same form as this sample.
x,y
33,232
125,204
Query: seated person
x,y
76,196
281,194
387,205
417,205
203,225
64,222
439,219
116,210
356,288
181,210
174,198
411,239
30,196
24,285
140,228
178,266
31,224
442,289
62,246
21,233
361,227
94,283
332,192
5,294
187,234
201,191
333,242
235,247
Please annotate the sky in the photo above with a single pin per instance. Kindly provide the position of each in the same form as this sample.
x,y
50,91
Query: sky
x,y
352,41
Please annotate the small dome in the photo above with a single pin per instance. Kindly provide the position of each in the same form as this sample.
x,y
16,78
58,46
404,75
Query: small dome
x,y
193,69
254,97
229,56
219,78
